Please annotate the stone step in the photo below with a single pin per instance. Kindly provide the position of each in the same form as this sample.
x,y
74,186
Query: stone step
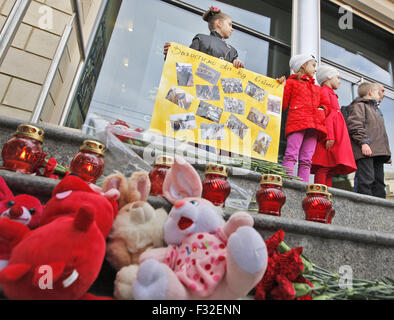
x,y
361,234
368,253
352,210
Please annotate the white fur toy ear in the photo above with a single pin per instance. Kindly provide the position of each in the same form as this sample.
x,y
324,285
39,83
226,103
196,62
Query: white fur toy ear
x,y
182,181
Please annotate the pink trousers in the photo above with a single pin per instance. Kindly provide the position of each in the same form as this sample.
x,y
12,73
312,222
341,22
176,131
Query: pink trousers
x,y
301,146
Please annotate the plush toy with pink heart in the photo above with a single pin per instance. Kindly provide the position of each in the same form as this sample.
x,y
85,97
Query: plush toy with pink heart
x,y
23,208
206,257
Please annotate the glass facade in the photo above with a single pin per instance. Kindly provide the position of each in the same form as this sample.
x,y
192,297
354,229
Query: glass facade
x,y
130,75
271,17
366,51
363,48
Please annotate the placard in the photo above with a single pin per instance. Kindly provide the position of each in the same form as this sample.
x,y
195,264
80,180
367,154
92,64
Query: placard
x,y
205,100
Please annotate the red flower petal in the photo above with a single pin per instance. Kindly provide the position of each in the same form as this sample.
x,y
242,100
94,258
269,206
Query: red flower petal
x,y
302,279
260,294
290,264
284,290
273,242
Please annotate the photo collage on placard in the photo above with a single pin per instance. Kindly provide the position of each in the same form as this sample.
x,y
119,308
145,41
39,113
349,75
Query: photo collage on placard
x,y
211,93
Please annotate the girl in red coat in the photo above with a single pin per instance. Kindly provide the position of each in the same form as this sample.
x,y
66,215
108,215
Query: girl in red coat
x,y
334,155
306,117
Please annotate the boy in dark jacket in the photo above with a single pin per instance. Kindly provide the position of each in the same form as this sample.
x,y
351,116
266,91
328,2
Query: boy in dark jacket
x,y
369,140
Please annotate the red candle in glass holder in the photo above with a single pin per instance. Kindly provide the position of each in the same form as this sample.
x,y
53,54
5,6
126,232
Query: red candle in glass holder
x,y
163,163
215,186
270,198
23,153
316,205
332,212
88,164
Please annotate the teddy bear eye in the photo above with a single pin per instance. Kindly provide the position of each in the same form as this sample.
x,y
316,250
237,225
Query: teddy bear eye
x,y
32,210
10,204
194,203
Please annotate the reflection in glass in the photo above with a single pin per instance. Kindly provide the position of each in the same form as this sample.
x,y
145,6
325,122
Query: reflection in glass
x,y
271,17
364,48
345,93
252,20
355,62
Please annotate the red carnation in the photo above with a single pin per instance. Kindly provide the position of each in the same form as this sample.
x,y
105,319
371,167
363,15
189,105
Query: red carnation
x,y
290,264
268,281
49,169
273,242
260,294
284,290
301,279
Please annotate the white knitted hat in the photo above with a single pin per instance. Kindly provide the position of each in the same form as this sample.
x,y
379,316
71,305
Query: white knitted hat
x,y
325,73
297,61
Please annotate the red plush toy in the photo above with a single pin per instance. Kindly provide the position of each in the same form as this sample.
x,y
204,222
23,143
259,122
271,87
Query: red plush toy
x,y
24,209
71,193
62,258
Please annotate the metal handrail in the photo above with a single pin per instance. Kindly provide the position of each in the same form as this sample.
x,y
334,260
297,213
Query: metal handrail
x,y
52,71
11,26
80,39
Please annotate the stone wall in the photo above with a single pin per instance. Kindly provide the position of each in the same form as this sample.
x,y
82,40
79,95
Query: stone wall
x,y
28,60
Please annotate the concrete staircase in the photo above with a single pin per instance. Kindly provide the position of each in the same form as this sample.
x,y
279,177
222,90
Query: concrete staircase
x,y
361,235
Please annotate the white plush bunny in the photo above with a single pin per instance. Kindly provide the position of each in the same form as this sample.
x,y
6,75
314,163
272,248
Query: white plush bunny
x,y
206,258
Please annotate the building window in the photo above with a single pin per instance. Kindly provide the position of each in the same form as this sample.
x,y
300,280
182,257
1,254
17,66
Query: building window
x,y
270,17
363,52
364,48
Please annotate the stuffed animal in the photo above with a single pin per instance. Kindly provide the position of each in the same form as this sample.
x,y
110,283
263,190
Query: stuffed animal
x,y
24,209
57,261
72,192
206,258
138,226
69,244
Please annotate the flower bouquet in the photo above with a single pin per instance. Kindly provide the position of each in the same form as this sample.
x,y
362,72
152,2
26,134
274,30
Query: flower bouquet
x,y
291,276
50,168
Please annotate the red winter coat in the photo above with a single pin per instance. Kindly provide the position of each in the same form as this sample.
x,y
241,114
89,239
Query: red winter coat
x,y
340,157
304,98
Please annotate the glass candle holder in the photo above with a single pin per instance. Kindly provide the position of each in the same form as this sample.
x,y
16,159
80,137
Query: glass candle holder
x,y
215,186
270,198
88,164
23,153
316,205
157,175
